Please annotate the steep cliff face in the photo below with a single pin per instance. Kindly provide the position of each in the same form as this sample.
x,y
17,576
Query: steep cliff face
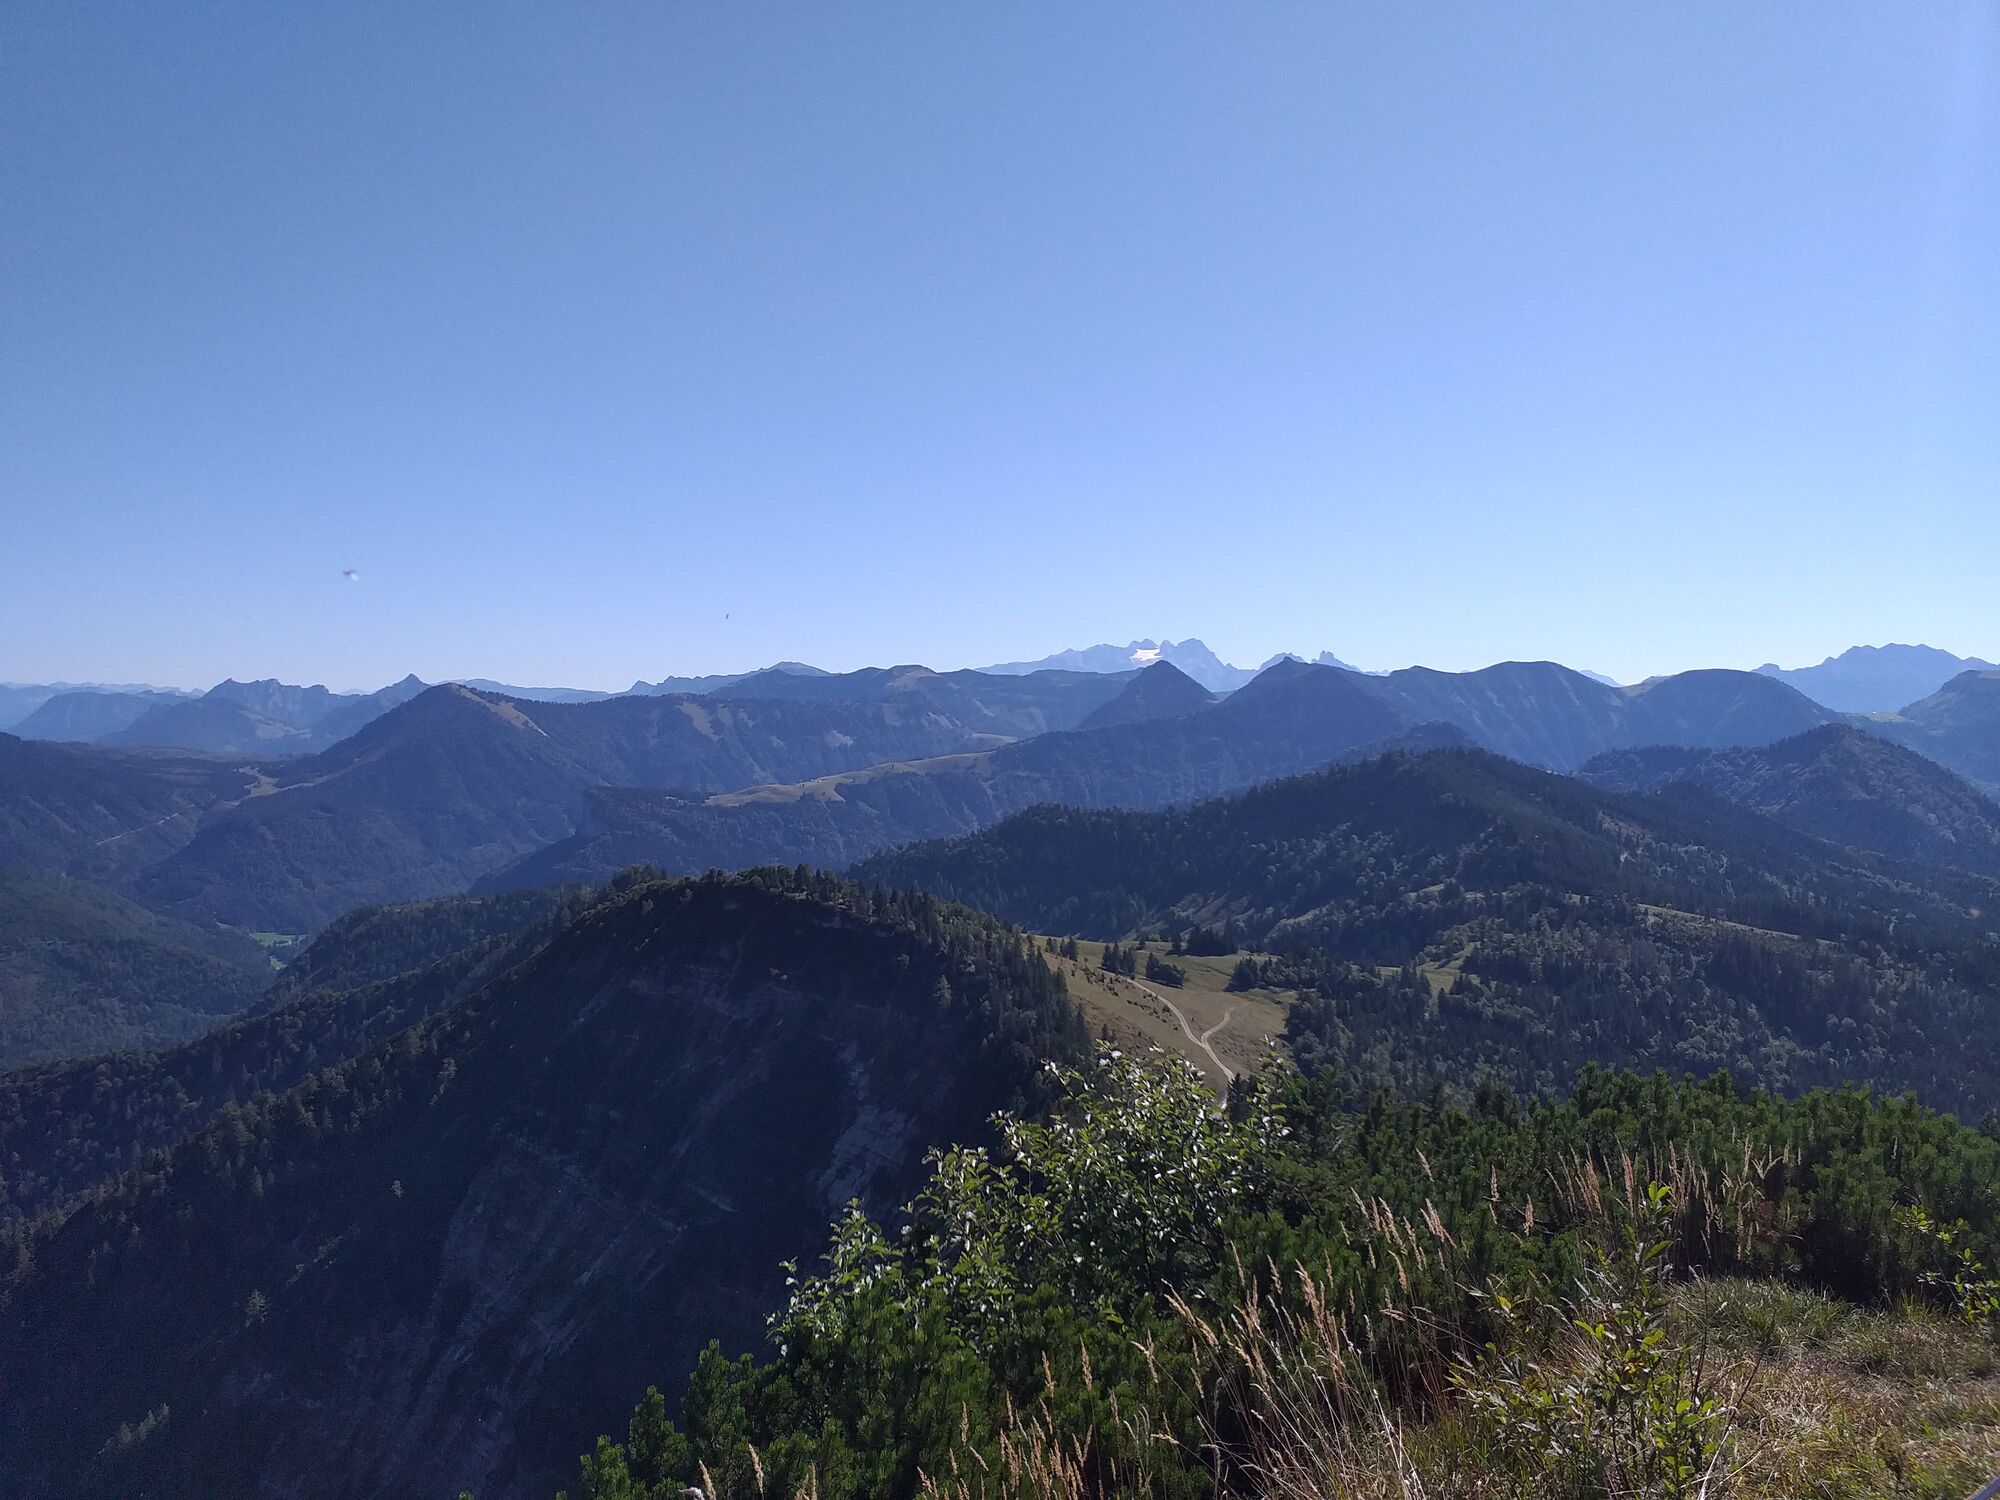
x,y
447,1265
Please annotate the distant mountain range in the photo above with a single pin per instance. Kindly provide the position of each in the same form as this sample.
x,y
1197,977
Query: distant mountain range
x,y
1165,741
1877,679
19,699
537,694
717,680
453,783
1191,656
283,807
1862,679
266,717
1292,718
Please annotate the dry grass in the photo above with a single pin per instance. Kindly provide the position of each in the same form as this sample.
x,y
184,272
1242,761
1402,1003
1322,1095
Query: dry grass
x,y
1249,1026
1842,1404
1787,1393
1851,1401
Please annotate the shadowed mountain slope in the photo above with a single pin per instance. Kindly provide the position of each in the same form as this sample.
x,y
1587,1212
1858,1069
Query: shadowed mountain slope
x,y
1544,714
92,812
369,976
88,715
455,783
84,970
266,717
1161,691
1839,783
433,1268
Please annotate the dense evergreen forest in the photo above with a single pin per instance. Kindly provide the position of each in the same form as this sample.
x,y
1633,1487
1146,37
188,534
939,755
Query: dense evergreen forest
x,y
85,970
1453,917
65,1126
349,1285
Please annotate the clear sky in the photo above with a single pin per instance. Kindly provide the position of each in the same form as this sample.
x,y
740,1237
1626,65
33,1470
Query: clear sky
x,y
610,341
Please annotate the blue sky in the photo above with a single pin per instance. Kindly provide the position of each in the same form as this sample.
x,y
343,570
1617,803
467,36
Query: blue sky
x,y
612,341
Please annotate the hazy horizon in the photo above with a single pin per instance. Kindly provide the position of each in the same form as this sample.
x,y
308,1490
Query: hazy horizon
x,y
203,684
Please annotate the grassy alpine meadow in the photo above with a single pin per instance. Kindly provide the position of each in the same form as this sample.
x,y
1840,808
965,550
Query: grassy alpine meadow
x,y
1245,1029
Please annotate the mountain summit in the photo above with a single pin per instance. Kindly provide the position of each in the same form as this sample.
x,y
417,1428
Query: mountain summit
x,y
1162,691
1191,656
1876,679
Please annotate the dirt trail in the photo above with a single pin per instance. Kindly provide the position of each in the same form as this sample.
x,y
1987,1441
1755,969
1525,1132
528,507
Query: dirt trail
x,y
1202,1041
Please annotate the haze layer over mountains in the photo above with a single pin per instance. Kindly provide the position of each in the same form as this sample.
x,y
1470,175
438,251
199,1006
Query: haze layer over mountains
x,y
276,715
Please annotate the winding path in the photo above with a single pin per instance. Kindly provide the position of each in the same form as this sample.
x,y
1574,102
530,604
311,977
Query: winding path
x,y
1228,1073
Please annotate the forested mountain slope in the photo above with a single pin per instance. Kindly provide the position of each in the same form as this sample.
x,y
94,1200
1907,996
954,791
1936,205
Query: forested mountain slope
x,y
1455,915
1957,726
66,1126
84,970
374,943
435,1267
1839,783
95,812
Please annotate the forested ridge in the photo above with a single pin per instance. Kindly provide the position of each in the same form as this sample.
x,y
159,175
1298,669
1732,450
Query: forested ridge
x,y
1838,783
83,969
1454,916
67,1125
621,1135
